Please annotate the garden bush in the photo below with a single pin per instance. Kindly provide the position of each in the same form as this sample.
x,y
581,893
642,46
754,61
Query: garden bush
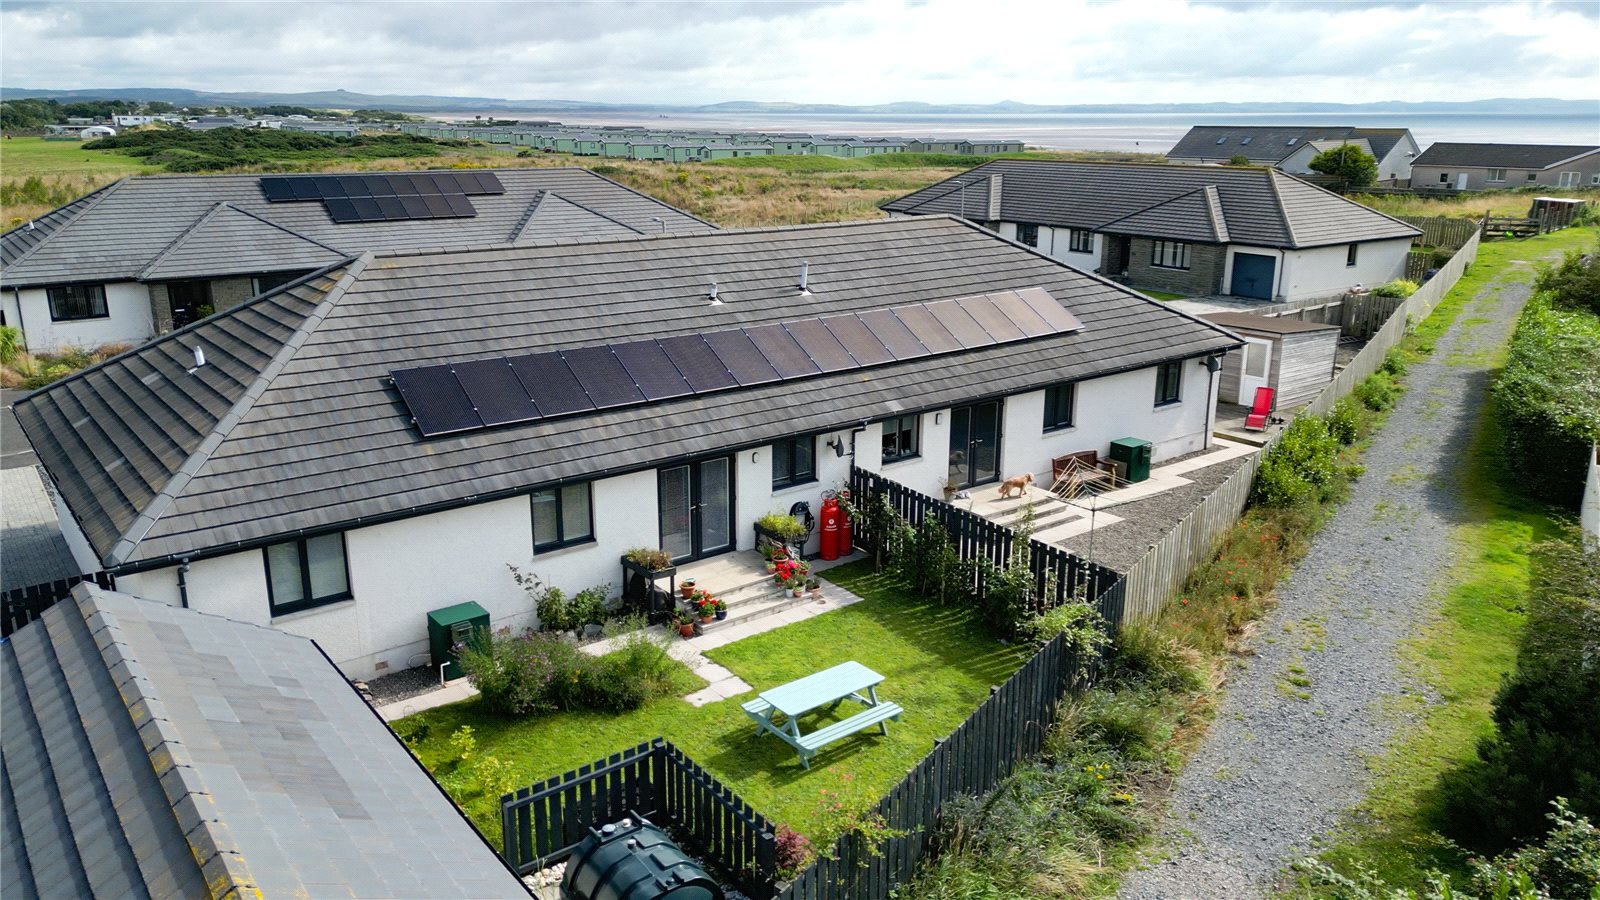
x,y
1574,282
1348,421
537,672
1302,467
1399,287
10,343
1547,399
1379,391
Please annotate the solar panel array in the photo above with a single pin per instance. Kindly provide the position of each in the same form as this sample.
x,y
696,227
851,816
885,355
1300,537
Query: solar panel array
x,y
398,197
481,393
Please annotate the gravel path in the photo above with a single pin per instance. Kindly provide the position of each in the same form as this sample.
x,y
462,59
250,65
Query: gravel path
x,y
1286,754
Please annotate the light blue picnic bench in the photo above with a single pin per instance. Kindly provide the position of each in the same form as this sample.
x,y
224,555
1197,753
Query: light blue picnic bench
x,y
845,681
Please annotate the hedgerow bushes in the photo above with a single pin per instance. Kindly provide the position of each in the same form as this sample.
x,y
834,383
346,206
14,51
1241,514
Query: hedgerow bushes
x,y
182,150
538,672
1547,398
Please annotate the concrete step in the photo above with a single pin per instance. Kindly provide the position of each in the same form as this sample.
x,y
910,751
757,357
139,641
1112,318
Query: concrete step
x,y
1046,513
755,606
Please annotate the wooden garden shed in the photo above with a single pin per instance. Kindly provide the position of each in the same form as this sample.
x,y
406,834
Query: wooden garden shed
x,y
1293,357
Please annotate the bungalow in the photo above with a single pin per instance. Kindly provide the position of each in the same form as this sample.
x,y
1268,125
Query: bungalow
x,y
384,437
1489,167
1248,232
153,751
146,255
1285,146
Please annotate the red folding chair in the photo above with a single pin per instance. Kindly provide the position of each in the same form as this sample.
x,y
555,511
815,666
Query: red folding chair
x,y
1260,410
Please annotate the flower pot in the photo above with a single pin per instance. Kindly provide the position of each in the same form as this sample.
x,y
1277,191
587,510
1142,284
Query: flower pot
x,y
816,593
705,620
721,614
686,588
799,591
686,629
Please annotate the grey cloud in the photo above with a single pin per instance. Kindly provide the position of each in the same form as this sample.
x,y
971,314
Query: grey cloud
x,y
1583,7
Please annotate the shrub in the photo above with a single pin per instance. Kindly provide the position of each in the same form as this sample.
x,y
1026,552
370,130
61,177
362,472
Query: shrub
x,y
537,672
10,343
1348,421
1147,655
783,525
589,606
1547,399
1379,391
1085,631
1574,282
1546,713
1399,287
1302,467
792,851
651,558
1349,163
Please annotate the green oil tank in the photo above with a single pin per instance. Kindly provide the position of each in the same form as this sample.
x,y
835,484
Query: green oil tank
x,y
1134,454
451,627
634,860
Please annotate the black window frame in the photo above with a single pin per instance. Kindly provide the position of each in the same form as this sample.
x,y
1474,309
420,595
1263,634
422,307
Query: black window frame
x,y
1444,177
59,293
916,437
307,599
1160,249
1030,237
1350,256
794,477
1169,383
1080,240
561,543
271,281
1053,420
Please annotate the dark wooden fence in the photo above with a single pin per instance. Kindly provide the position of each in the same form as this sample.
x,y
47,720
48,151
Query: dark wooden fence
x,y
542,824
1059,576
1442,231
19,606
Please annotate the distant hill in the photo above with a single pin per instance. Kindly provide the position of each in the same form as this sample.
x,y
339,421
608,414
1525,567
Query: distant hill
x,y
341,99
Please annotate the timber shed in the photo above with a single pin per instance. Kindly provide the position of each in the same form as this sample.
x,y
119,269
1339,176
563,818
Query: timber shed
x,y
1293,357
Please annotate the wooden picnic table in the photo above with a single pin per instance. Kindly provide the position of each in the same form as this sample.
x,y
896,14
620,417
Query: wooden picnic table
x,y
845,681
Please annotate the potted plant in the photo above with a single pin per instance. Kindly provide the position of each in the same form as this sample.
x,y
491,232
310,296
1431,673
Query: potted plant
x,y
686,588
716,606
786,570
797,585
950,486
814,586
704,605
685,622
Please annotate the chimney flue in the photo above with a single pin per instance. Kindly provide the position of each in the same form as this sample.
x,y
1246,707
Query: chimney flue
x,y
712,294
805,272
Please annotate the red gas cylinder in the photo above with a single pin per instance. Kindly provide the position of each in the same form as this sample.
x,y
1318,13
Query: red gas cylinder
x,y
845,536
831,516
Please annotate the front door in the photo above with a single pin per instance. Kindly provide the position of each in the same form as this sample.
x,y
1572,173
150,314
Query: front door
x,y
697,508
975,444
1256,363
190,301
1461,181
1252,276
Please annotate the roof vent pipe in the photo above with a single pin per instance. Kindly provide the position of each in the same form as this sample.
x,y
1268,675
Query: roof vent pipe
x,y
199,360
712,293
805,281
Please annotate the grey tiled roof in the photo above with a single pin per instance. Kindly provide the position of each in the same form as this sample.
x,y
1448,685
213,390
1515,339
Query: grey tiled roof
x,y
120,232
1270,143
1263,207
32,548
1509,156
153,751
322,439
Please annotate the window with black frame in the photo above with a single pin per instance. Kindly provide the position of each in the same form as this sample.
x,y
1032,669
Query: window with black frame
x,y
562,517
900,437
1170,255
1028,234
1059,401
77,301
306,573
1169,383
794,461
1082,241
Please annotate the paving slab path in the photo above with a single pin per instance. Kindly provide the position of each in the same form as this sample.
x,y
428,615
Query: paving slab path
x,y
1304,710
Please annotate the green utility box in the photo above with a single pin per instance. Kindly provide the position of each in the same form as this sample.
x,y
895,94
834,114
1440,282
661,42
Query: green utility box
x,y
450,627
1134,455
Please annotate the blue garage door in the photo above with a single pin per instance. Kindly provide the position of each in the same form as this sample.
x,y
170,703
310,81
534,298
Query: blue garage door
x,y
1252,275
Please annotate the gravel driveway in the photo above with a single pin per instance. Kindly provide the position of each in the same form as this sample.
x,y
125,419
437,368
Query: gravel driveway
x,y
1286,754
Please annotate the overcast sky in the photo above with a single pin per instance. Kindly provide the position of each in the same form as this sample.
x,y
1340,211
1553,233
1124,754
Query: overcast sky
x,y
969,51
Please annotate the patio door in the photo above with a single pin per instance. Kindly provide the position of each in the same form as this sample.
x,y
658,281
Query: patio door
x,y
975,444
1256,363
696,501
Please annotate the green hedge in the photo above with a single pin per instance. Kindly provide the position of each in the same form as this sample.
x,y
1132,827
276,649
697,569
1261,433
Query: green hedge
x,y
1547,399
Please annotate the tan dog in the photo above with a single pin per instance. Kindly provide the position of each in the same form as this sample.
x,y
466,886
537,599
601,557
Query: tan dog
x,y
1019,484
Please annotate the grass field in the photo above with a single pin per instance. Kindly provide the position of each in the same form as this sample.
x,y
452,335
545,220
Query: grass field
x,y
937,663
21,157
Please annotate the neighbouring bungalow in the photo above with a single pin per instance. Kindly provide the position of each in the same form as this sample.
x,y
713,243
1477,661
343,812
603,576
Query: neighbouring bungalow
x,y
1200,230
1292,147
153,751
384,437
1490,167
146,255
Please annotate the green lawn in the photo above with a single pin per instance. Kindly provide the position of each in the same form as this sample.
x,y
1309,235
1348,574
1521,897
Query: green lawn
x,y
21,157
937,663
1463,653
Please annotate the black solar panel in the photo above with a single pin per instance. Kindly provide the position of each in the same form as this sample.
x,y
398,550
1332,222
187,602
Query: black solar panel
x,y
550,383
436,400
305,188
277,190
495,391
864,348
819,344
341,209
354,186
328,186
367,209
1040,301
415,207
602,376
740,357
460,205
1021,314
394,197
782,351
438,206
652,370
958,323
698,362
927,329
390,208
893,333
990,319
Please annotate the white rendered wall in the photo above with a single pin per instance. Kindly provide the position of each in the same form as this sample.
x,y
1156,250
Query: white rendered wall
x,y
754,496
1057,243
1321,271
1109,408
130,320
